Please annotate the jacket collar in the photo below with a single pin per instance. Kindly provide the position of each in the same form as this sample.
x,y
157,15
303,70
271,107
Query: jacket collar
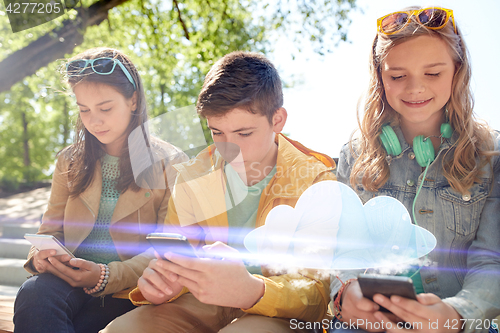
x,y
204,176
129,202
294,171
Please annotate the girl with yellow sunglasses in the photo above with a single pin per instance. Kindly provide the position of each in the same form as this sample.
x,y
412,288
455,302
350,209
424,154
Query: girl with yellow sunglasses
x,y
420,143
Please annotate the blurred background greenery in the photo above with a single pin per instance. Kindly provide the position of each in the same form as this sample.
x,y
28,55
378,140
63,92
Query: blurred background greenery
x,y
172,42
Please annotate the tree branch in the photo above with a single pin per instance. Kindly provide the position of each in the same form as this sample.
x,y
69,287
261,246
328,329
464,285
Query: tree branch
x,y
53,45
180,19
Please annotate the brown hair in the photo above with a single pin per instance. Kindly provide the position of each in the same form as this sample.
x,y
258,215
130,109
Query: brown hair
x,y
241,80
461,167
86,149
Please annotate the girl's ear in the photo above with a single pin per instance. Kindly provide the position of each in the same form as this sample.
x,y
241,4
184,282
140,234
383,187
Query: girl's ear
x,y
133,100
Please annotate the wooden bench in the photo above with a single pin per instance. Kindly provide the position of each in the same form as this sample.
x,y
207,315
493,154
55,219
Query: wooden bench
x,y
6,313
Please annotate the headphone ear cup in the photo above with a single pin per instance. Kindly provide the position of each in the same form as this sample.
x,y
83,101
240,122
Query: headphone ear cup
x,y
390,141
446,130
424,151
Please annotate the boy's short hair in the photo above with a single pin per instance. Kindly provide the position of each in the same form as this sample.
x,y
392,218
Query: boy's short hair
x,y
241,80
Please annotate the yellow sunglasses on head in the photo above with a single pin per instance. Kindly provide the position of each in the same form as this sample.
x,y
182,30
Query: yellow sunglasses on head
x,y
433,18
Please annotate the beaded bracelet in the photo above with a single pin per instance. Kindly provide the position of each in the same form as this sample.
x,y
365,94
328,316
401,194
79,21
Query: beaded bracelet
x,y
103,280
336,304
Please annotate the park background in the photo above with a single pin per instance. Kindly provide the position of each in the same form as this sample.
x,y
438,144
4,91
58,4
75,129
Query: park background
x,y
323,81
320,48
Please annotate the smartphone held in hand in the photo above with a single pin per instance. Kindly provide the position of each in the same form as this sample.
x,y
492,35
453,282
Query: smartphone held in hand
x,y
48,242
171,242
371,284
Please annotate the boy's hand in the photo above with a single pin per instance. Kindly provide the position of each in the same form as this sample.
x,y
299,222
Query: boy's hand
x,y
154,284
428,314
223,282
359,310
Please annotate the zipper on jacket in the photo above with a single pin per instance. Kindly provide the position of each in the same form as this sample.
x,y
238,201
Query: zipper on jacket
x,y
93,215
139,218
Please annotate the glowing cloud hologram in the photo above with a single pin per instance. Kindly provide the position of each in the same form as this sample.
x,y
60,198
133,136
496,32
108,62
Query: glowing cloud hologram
x,y
329,228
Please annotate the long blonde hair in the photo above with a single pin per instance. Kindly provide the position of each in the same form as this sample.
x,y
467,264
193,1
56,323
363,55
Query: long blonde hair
x,y
472,149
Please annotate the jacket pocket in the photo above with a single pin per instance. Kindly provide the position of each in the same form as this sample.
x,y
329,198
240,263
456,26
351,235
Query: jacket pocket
x,y
462,212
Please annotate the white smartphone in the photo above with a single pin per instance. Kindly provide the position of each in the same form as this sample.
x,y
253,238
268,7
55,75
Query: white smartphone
x,y
48,242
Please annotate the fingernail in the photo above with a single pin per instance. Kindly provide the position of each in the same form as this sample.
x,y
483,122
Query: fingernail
x,y
168,291
168,255
50,259
396,299
378,299
52,253
161,295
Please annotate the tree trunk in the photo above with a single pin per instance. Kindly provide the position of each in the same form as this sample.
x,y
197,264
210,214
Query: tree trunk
x,y
26,147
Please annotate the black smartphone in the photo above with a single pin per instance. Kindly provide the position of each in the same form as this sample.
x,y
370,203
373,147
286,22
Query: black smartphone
x,y
372,284
170,242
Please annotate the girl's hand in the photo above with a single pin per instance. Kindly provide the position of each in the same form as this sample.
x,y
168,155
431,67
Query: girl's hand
x,y
86,276
428,314
359,310
40,261
155,285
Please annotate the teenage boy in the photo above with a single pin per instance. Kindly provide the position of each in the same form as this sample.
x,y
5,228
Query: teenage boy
x,y
219,197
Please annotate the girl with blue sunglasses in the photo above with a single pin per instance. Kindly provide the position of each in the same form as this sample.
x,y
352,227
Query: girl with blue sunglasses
x,y
99,207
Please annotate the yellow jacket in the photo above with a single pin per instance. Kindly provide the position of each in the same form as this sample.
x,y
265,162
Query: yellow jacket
x,y
198,201
71,219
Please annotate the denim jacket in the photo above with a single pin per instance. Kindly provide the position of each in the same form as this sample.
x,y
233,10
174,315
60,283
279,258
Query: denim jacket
x,y
465,265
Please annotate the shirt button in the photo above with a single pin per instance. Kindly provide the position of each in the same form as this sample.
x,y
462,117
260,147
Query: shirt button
x,y
466,197
410,182
147,194
411,155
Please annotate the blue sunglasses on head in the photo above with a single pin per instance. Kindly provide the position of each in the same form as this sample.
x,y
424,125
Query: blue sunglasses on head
x,y
103,66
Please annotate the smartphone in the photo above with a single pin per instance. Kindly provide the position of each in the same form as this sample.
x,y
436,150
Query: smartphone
x,y
48,242
170,242
371,284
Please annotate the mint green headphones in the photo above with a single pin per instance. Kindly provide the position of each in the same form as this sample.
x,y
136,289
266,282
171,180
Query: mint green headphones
x,y
423,148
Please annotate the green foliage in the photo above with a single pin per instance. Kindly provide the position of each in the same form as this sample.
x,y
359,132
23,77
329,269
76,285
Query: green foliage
x,y
319,24
9,183
172,43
